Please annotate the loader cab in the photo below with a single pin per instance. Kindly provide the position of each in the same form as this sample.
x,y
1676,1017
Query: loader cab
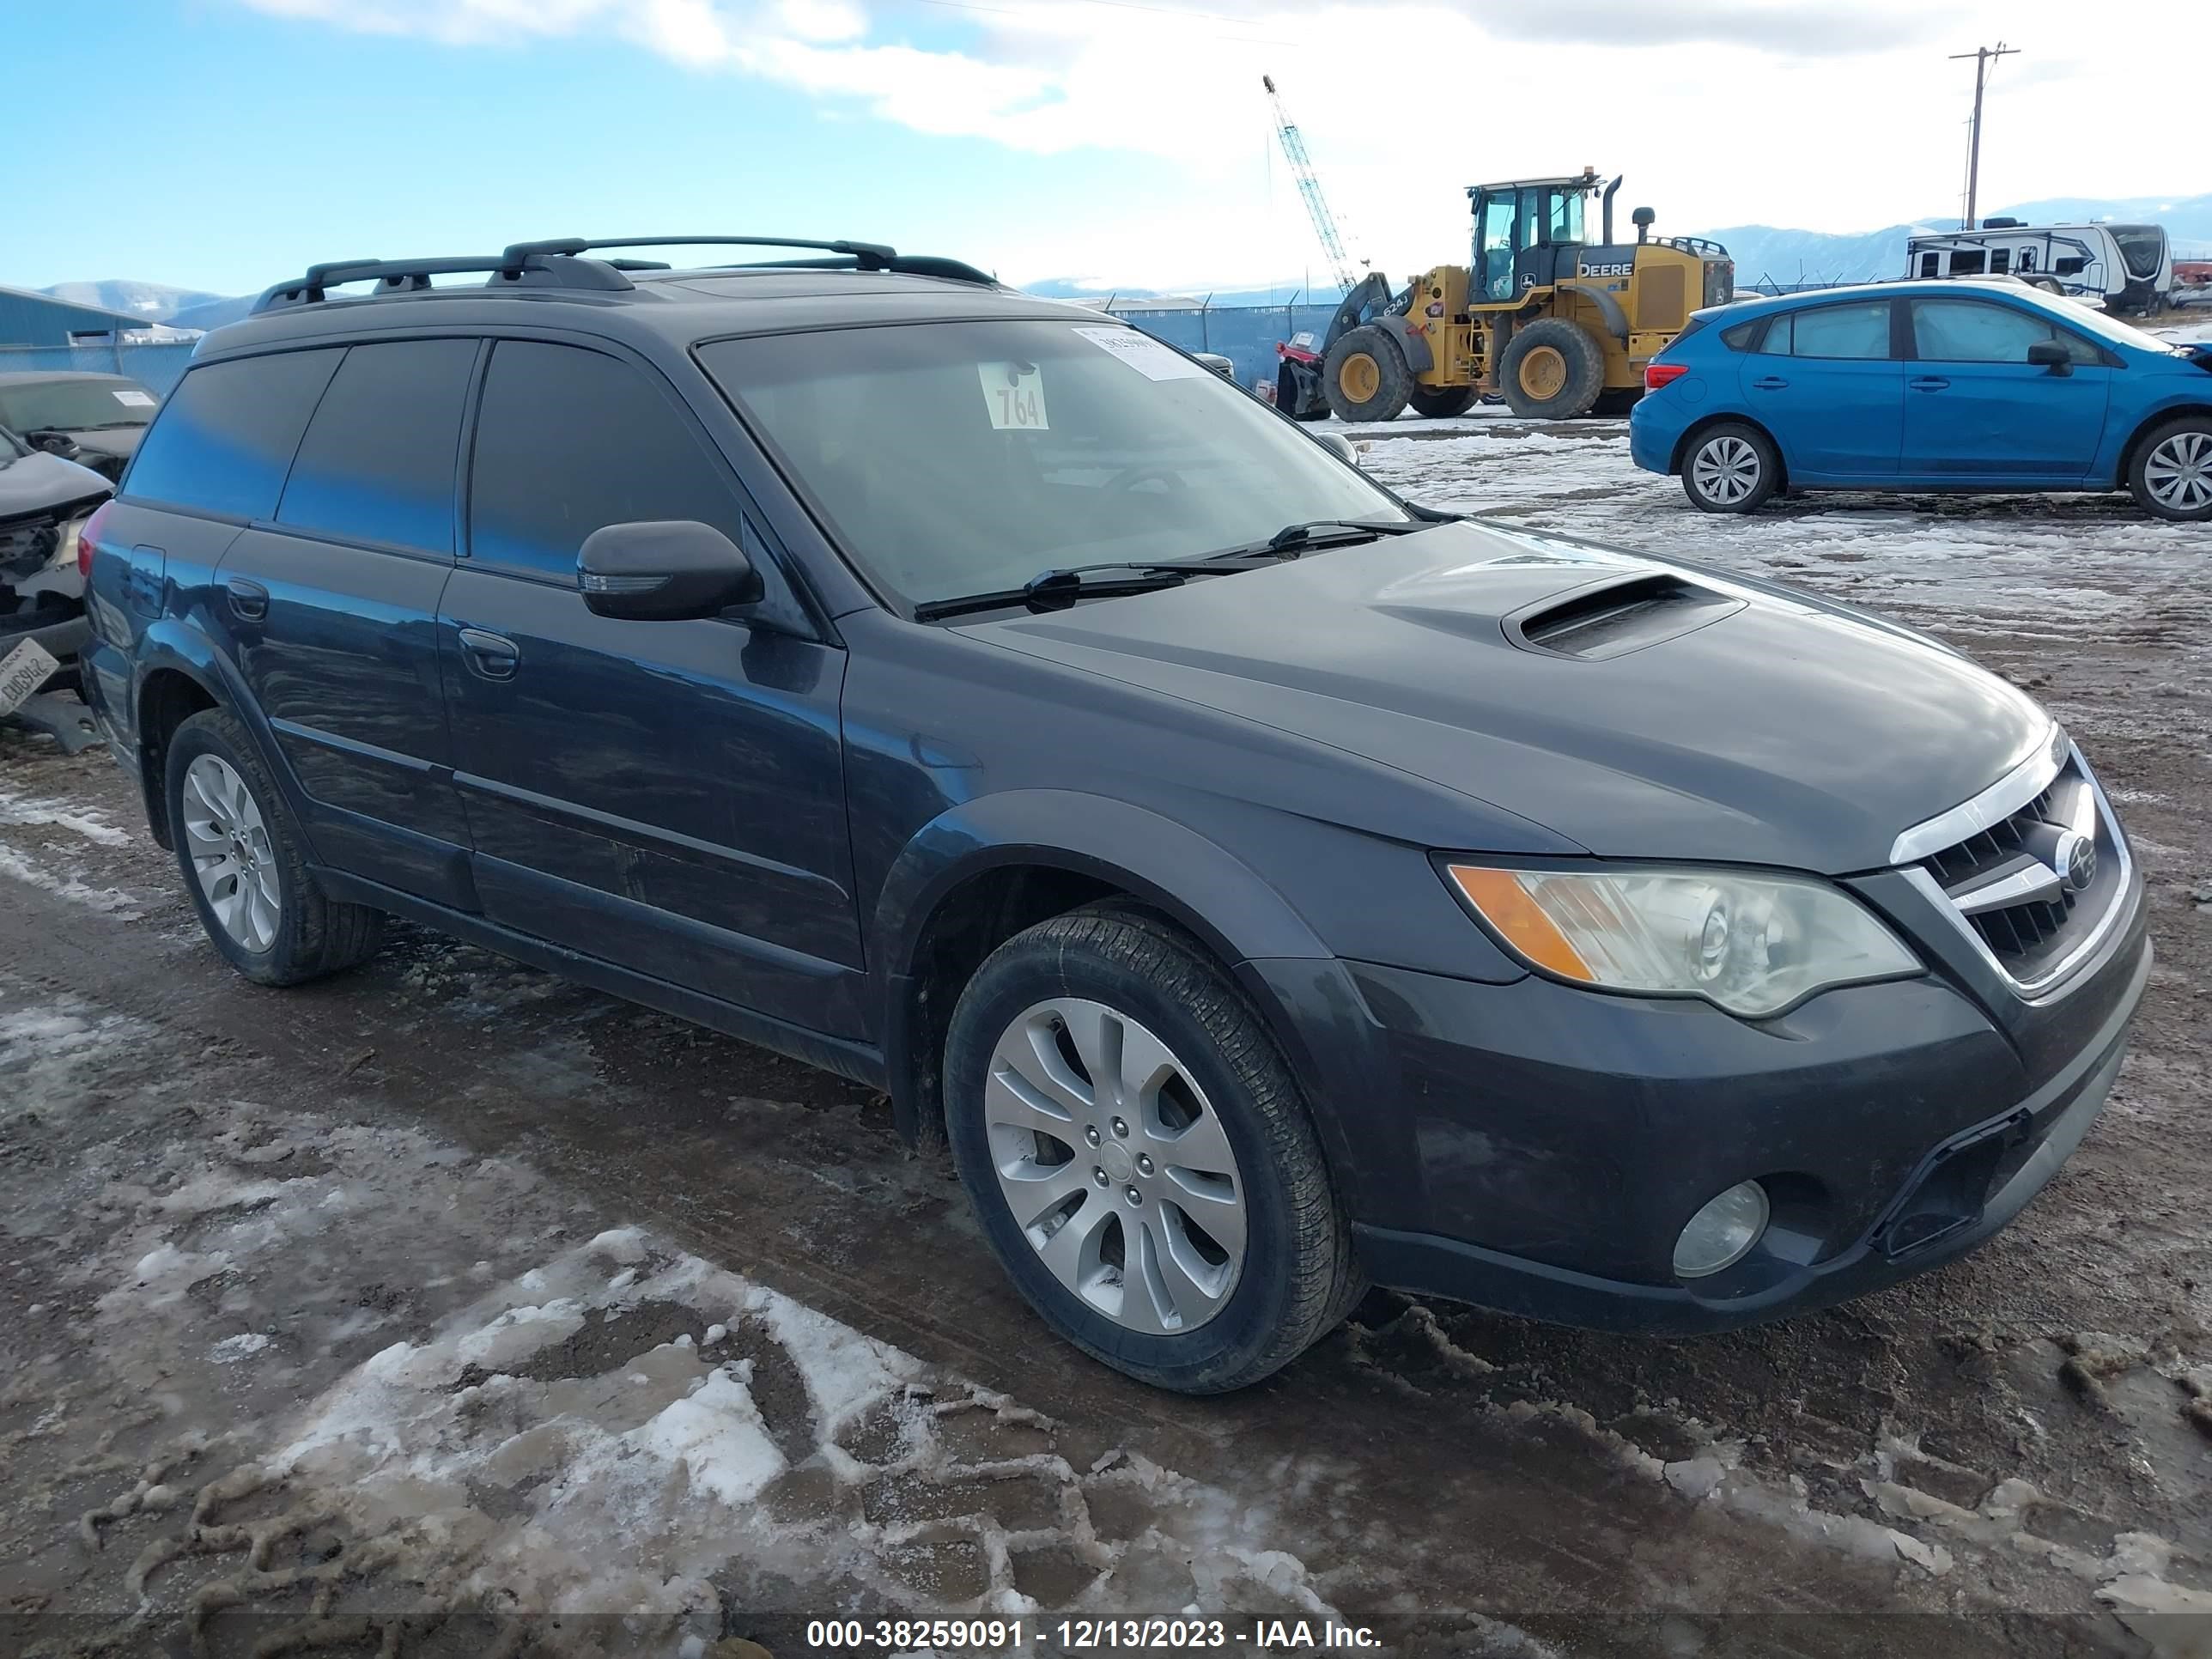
x,y
1525,231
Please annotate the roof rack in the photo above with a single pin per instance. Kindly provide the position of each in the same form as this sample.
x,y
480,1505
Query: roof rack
x,y
413,276
843,255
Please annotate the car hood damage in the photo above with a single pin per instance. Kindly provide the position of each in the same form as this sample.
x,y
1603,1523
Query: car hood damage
x,y
1639,708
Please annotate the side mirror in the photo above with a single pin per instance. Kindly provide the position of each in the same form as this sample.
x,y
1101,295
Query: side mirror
x,y
2052,355
1338,445
663,570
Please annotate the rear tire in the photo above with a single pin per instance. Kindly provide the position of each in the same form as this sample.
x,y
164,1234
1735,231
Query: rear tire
x,y
1550,371
2171,477
1443,403
245,865
1730,468
1197,1115
1364,376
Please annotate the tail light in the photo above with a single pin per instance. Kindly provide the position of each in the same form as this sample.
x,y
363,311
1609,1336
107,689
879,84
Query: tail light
x,y
1658,374
87,540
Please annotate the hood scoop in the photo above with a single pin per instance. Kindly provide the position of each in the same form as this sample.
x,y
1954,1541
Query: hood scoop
x,y
1613,617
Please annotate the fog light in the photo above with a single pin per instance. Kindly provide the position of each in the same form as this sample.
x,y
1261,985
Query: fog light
x,y
1719,1234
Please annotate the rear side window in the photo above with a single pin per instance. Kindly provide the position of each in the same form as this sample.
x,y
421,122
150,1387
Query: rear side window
x,y
1969,331
1849,331
377,463
226,437
569,441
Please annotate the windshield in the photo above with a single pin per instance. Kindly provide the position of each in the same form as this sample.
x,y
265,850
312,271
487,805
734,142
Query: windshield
x,y
2143,246
953,458
75,405
2101,324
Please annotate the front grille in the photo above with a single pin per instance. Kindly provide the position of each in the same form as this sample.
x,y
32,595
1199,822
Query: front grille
x,y
2007,883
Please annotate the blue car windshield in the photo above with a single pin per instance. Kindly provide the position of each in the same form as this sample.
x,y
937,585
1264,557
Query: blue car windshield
x,y
959,458
2105,327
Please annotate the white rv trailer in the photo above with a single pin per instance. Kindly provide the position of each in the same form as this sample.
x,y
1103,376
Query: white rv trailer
x,y
2128,267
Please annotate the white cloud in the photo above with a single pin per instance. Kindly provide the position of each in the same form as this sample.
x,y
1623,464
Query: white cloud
x,y
1722,111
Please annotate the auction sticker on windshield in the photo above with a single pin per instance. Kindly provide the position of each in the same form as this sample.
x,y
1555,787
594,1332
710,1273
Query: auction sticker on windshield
x,y
22,671
1014,394
1144,354
134,399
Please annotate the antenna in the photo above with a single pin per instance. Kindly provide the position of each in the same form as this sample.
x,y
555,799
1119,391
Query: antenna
x,y
1302,168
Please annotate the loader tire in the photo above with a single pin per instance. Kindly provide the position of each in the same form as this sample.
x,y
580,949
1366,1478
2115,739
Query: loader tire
x,y
1365,377
1442,403
1552,370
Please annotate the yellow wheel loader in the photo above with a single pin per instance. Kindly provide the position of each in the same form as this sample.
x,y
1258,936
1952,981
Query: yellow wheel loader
x,y
1557,326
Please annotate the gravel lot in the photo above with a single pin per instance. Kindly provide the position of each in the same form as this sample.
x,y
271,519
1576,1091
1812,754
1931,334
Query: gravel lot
x,y
448,1308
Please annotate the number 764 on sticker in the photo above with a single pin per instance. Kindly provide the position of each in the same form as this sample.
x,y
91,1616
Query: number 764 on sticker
x,y
1014,395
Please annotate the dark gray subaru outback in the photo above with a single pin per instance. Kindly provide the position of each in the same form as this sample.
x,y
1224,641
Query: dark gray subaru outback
x,y
1266,886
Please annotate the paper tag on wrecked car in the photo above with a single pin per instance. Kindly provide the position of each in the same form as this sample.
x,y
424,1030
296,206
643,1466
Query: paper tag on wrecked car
x,y
22,671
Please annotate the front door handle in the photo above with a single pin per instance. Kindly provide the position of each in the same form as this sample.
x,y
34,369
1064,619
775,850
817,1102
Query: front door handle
x,y
1770,383
1930,383
249,599
491,654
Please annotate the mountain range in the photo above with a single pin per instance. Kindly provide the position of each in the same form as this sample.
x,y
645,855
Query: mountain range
x,y
1762,252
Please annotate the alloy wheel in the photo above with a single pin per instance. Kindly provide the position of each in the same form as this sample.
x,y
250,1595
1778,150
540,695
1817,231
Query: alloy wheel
x,y
231,853
2178,472
1726,470
1115,1166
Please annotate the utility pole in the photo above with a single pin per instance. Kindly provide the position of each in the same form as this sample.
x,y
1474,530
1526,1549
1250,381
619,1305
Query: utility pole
x,y
1983,57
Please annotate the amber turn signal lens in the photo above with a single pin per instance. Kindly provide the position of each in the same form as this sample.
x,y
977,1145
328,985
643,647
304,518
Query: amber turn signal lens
x,y
1501,901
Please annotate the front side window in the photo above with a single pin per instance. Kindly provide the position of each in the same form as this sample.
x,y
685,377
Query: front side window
x,y
377,463
953,458
1972,331
1854,330
570,440
225,440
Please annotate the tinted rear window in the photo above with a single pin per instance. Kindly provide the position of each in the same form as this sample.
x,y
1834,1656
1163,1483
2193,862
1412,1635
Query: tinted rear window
x,y
224,440
377,463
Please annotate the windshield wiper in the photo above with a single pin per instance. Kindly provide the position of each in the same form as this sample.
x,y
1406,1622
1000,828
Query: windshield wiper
x,y
1058,589
1293,539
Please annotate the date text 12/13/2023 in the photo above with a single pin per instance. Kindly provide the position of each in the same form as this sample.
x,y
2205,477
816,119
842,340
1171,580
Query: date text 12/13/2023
x,y
1084,1635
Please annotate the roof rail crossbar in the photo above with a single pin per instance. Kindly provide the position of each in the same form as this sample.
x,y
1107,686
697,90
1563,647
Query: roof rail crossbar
x,y
905,264
870,256
411,276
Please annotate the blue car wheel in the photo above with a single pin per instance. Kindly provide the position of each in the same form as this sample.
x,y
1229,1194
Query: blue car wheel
x,y
1730,468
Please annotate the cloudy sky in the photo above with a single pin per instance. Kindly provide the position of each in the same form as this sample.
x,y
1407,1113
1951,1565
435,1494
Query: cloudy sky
x,y
235,141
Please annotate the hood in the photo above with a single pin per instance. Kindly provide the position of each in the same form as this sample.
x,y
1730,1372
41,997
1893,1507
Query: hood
x,y
37,482
1641,708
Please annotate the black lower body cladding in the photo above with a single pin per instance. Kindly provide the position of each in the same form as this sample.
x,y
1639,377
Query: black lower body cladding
x,y
1539,1149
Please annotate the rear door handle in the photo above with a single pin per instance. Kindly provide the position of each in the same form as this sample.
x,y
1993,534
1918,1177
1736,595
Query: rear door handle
x,y
249,599
1930,383
1770,383
491,655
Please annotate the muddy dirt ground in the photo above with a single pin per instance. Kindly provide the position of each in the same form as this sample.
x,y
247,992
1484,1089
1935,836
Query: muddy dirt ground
x,y
448,1308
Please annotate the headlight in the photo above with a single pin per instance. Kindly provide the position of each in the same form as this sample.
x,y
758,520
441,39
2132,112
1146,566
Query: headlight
x,y
1754,944
65,553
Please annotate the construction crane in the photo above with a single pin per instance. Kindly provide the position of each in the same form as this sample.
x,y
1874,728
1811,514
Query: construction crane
x,y
1302,169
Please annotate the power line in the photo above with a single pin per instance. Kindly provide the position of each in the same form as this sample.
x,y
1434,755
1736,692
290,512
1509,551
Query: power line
x,y
1983,57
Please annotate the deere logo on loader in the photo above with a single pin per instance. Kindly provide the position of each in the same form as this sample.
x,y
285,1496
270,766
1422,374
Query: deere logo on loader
x,y
1540,316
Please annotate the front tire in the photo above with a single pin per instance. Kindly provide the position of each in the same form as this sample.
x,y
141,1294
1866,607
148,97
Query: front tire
x,y
1551,370
2171,477
1140,1156
245,864
1730,468
1364,376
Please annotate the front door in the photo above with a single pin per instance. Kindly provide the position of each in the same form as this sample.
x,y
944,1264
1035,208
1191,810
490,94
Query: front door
x,y
1824,383
1975,410
666,796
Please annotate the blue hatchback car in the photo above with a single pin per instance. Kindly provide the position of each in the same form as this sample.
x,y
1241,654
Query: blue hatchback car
x,y
1927,385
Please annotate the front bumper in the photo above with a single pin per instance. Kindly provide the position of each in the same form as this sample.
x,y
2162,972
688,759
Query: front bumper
x,y
1537,1148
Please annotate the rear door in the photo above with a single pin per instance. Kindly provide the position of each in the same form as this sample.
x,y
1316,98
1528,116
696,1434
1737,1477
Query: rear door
x,y
1977,412
667,796
330,599
1827,382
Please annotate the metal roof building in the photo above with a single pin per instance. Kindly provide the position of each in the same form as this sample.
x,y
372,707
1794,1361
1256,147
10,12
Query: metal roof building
x,y
27,319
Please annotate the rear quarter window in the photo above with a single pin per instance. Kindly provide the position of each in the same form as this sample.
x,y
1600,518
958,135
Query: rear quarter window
x,y
225,440
1744,336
